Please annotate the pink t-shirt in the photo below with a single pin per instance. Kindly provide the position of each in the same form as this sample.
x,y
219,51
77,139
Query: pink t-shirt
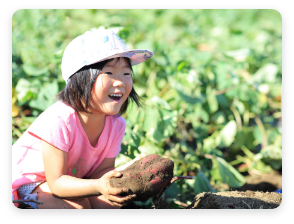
x,y
60,126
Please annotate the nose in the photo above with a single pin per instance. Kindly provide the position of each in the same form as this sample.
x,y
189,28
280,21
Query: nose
x,y
118,83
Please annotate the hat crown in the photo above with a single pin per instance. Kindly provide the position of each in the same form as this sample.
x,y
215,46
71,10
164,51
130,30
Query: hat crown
x,y
95,46
88,48
102,44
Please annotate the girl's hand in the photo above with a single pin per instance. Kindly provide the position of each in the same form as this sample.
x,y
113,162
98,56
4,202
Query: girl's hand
x,y
141,156
111,193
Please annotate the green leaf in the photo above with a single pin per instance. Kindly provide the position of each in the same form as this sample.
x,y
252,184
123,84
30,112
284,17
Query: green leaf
x,y
263,167
239,105
33,71
160,101
160,60
155,135
219,117
192,98
145,44
151,119
187,92
168,123
22,88
266,74
131,138
275,89
193,78
27,90
134,114
46,97
242,92
172,191
227,134
156,120
181,65
223,101
272,155
209,143
130,143
257,135
222,75
211,100
239,55
128,151
204,115
202,184
221,170
243,138
151,148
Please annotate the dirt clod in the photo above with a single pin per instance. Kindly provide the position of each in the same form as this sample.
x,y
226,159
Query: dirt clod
x,y
237,200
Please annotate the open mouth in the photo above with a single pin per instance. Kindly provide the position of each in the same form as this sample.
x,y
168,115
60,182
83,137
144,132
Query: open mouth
x,y
115,97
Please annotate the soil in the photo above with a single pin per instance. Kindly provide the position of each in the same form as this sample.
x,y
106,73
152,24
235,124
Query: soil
x,y
145,177
237,200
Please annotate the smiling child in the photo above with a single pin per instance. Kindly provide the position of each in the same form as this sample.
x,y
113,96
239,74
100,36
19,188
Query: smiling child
x,y
66,157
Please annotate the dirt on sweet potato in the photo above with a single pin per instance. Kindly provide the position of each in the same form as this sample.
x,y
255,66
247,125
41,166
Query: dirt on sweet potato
x,y
145,177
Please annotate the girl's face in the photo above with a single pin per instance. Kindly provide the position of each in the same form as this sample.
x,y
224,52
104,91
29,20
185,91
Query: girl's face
x,y
112,87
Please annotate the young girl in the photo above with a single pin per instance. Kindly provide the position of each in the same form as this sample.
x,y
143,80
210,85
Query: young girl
x,y
66,157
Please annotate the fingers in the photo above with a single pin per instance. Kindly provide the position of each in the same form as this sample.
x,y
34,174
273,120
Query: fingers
x,y
113,173
116,173
117,191
118,200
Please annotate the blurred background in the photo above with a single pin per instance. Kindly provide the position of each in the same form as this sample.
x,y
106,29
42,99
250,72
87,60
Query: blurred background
x,y
212,90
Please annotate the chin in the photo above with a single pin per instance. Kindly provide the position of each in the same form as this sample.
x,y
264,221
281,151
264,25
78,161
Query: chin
x,y
113,113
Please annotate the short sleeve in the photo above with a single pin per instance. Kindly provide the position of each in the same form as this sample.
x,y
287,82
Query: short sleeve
x,y
51,129
116,146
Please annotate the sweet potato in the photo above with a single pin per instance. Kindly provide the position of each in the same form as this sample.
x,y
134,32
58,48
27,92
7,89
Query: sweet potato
x,y
145,177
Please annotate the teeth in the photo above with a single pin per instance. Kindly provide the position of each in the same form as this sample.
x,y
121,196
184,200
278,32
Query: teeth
x,y
117,95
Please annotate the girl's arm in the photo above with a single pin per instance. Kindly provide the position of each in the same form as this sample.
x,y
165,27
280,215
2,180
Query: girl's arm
x,y
65,186
108,165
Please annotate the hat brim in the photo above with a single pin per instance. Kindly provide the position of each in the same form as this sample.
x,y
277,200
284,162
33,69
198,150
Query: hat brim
x,y
137,56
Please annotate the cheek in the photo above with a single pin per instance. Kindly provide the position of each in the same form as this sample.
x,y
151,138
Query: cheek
x,y
102,83
99,88
129,85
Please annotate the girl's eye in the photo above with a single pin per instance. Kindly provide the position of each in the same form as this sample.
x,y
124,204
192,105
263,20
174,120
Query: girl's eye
x,y
127,74
108,73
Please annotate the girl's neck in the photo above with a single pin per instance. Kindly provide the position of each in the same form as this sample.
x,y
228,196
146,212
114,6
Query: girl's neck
x,y
91,121
93,125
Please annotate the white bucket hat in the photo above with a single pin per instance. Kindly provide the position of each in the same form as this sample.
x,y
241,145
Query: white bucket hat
x,y
95,46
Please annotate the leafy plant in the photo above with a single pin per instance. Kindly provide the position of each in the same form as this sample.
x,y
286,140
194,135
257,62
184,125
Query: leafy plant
x,y
212,90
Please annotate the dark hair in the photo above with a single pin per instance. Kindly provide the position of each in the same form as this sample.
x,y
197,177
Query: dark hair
x,y
77,92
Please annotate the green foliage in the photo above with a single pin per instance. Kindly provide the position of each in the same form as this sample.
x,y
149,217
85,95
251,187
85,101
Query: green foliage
x,y
226,136
221,170
202,184
211,91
